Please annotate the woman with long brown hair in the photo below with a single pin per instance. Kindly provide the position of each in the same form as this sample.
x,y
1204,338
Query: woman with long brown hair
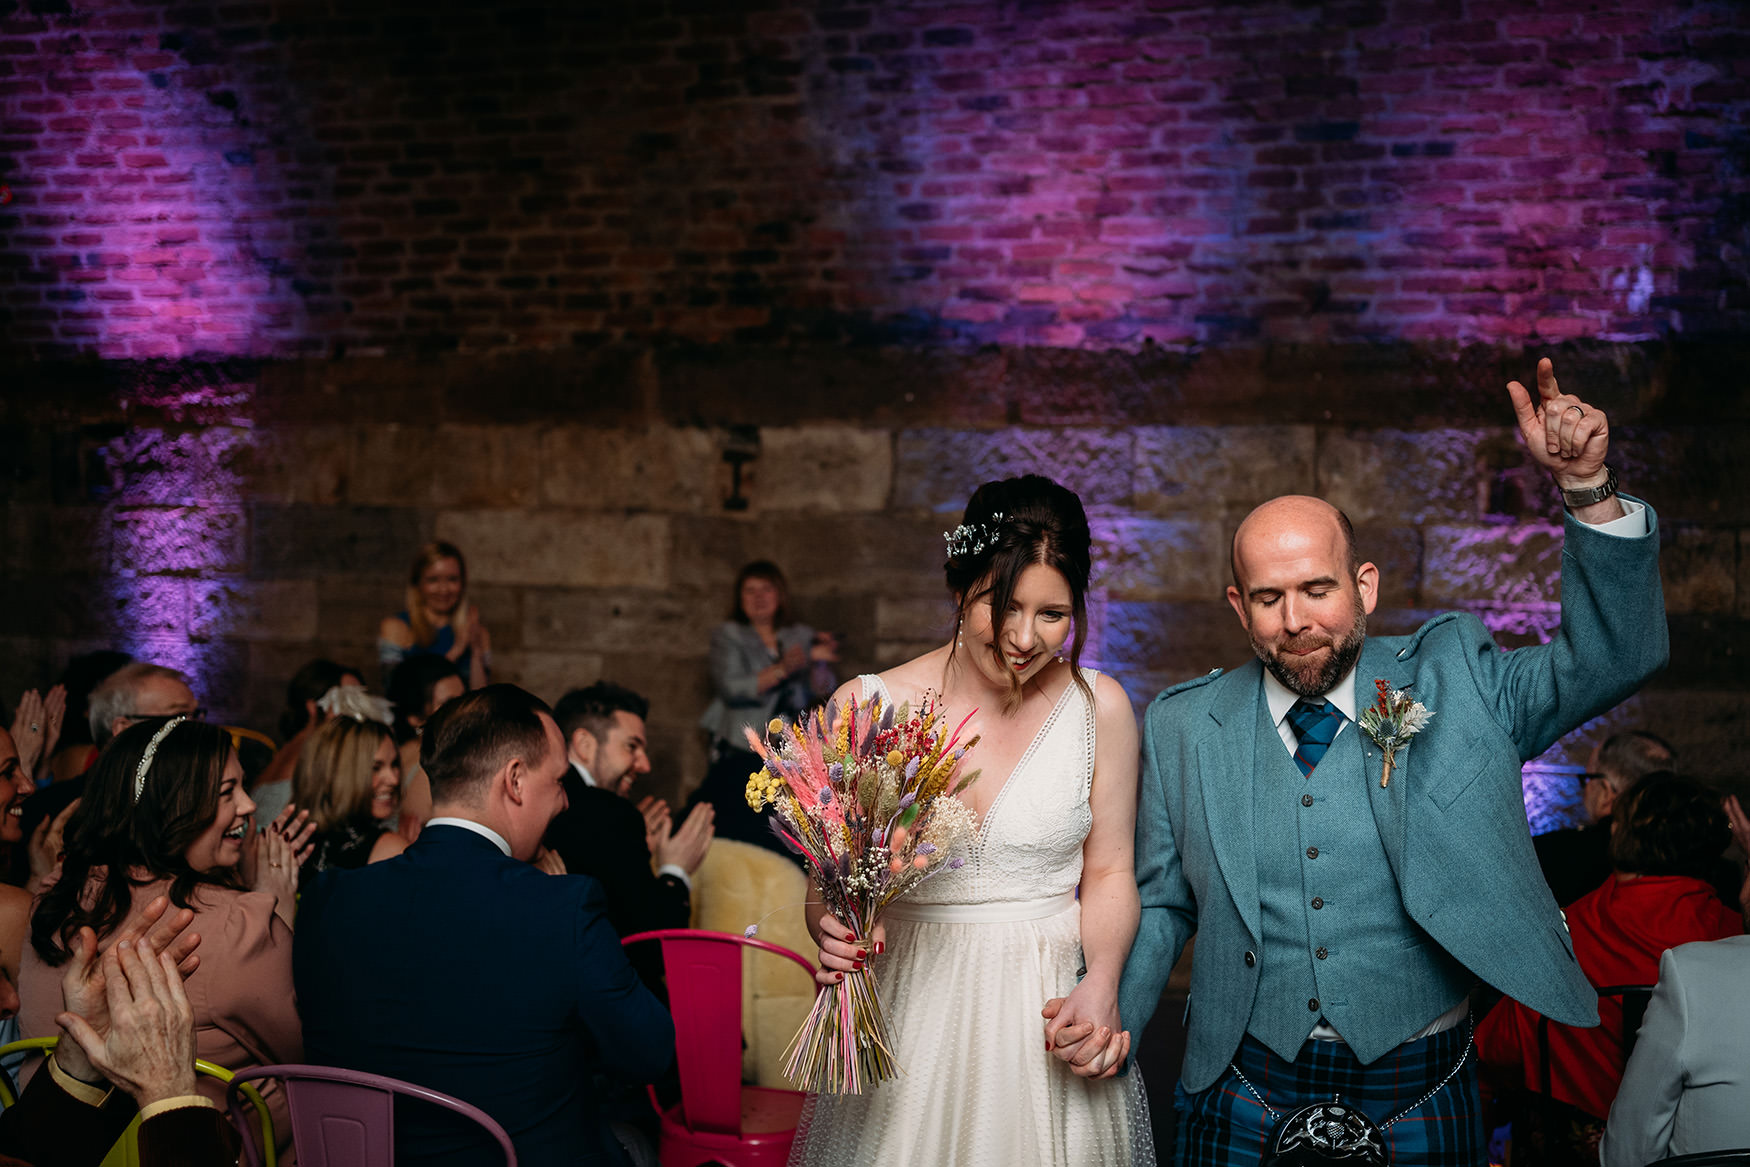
x,y
165,813
982,964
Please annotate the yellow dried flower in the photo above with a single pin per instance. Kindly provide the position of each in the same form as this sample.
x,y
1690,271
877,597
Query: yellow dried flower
x,y
775,725
895,758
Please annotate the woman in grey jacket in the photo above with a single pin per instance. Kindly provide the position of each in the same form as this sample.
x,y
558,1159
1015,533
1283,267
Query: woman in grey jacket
x,y
763,665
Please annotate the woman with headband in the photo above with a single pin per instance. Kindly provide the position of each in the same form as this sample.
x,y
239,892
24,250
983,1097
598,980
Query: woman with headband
x,y
165,813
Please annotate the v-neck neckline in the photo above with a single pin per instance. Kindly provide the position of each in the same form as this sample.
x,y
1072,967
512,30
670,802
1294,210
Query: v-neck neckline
x,y
981,832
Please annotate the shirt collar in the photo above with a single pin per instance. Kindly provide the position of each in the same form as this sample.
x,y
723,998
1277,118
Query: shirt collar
x,y
1281,698
480,829
583,772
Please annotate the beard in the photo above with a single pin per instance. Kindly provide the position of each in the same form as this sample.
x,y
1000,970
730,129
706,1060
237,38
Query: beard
x,y
1307,680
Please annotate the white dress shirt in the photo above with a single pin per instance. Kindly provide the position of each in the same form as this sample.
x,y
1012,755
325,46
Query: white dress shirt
x,y
484,832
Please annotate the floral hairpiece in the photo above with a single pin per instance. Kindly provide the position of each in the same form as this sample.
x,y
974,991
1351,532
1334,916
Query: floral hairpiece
x,y
971,538
352,701
151,750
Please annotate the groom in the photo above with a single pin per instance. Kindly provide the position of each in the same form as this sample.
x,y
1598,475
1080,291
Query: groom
x,y
1344,908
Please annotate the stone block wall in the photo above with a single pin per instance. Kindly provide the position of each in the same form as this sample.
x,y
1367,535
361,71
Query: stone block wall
x,y
237,519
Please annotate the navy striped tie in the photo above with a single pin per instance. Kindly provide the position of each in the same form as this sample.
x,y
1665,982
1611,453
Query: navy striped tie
x,y
1315,726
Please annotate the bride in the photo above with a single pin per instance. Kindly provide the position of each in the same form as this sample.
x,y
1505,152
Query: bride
x,y
982,965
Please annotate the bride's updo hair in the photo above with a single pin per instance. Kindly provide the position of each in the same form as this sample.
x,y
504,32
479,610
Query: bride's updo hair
x,y
1008,527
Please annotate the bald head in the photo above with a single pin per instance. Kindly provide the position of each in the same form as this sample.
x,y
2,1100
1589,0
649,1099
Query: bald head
x,y
1292,517
1299,592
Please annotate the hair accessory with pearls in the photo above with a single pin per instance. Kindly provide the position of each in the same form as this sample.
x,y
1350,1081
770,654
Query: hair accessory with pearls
x,y
151,751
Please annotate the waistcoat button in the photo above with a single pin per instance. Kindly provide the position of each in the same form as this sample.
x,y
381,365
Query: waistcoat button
x,y
1313,1004
1312,852
1322,953
1251,960
1318,902
1306,800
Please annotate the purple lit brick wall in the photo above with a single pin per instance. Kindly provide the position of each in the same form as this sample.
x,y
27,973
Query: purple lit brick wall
x,y
288,288
273,179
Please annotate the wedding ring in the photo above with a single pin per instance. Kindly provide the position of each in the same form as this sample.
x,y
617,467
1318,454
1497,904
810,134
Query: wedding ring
x,y
1576,409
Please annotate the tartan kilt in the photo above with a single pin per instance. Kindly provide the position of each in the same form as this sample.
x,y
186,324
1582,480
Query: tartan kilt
x,y
1224,1126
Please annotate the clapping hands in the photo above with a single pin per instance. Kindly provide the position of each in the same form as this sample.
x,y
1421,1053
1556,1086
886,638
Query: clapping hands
x,y
99,992
36,727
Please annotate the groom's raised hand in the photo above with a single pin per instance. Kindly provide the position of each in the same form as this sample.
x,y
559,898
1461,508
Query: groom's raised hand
x,y
1567,437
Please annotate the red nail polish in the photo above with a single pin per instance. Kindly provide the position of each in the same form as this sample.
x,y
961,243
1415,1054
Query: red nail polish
x,y
880,947
839,976
862,953
858,967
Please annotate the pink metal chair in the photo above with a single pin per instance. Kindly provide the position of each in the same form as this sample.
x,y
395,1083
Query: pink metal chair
x,y
345,1118
718,1119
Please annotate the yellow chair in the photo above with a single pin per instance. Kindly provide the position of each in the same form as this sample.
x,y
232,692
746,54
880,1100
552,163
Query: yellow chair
x,y
126,1152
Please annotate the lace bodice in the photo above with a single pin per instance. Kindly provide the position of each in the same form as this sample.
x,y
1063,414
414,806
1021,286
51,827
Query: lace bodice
x,y
1030,843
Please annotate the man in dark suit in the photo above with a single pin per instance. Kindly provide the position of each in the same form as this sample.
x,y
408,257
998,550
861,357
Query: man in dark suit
x,y
459,966
603,835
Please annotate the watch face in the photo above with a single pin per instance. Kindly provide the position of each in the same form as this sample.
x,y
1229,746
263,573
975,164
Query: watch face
x,y
1326,1133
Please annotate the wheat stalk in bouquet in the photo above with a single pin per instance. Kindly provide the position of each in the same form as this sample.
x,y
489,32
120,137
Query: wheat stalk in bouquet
x,y
864,792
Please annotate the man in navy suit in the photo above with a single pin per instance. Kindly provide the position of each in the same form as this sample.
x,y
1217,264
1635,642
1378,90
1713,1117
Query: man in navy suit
x,y
459,966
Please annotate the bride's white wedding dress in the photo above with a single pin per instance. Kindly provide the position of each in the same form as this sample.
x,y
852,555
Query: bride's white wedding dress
x,y
972,956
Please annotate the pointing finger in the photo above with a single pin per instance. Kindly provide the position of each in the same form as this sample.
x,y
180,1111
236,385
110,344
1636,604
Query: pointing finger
x,y
1546,380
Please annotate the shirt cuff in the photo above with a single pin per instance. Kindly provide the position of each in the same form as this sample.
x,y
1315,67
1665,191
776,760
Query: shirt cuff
x,y
679,873
1632,525
86,1092
183,1102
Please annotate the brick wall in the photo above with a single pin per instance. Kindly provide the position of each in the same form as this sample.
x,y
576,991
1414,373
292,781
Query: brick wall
x,y
283,178
238,518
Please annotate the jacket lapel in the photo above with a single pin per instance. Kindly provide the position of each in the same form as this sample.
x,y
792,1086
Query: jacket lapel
x,y
1378,663
1225,757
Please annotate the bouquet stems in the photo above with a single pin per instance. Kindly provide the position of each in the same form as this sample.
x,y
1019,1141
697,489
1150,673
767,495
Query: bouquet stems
x,y
843,1045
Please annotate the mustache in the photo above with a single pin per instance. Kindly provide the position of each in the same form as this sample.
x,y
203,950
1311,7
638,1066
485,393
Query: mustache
x,y
1306,643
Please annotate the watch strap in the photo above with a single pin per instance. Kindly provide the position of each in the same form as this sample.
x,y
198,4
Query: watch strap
x,y
1592,494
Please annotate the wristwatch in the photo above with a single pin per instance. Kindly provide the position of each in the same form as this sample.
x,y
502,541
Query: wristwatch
x,y
1592,494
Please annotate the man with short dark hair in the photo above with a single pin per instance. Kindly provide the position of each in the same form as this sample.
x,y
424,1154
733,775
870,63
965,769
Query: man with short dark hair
x,y
1575,860
602,834
459,966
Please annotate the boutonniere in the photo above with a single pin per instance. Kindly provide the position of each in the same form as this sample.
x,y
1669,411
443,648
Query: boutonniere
x,y
1391,721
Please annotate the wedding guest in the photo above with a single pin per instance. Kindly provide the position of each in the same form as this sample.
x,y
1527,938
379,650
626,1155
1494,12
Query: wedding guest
x,y
602,835
550,998
15,787
272,789
1341,930
1575,860
438,619
417,687
1664,839
135,692
349,780
165,813
764,664
1686,1089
